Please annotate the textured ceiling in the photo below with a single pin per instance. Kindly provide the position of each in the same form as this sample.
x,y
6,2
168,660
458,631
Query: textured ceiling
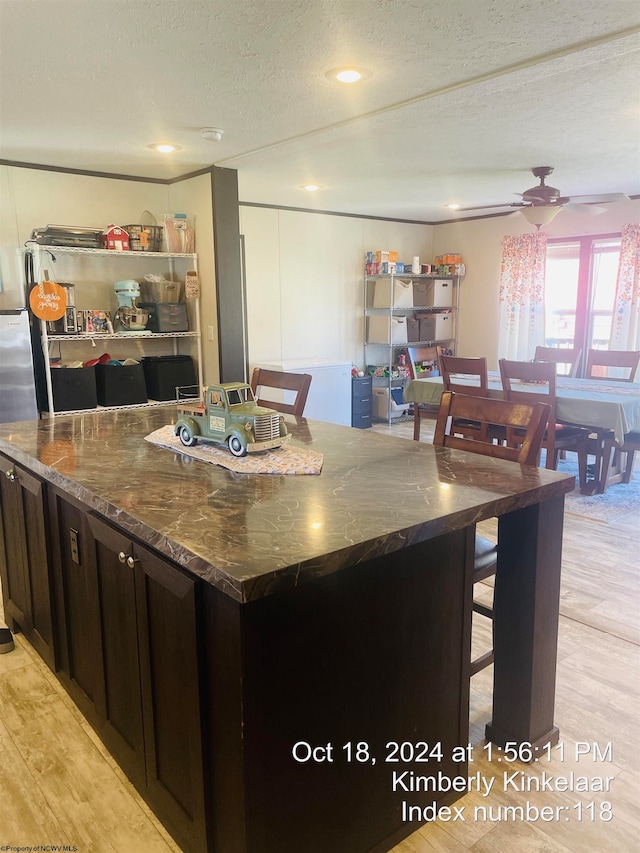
x,y
464,97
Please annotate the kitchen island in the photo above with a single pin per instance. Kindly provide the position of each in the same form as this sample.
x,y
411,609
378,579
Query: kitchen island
x,y
251,647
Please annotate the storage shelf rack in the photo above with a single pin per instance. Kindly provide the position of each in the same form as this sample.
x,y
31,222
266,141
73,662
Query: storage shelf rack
x,y
380,353
40,250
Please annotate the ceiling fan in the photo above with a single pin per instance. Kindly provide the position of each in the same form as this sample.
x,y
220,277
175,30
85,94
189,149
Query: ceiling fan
x,y
548,200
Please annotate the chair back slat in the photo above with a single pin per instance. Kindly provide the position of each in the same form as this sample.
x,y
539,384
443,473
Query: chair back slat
x,y
473,371
297,382
525,426
561,355
540,379
600,360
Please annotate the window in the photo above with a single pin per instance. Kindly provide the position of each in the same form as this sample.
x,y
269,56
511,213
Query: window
x,y
580,291
237,396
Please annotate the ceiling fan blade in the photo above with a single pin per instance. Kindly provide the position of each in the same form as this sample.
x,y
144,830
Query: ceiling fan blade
x,y
588,209
492,206
594,199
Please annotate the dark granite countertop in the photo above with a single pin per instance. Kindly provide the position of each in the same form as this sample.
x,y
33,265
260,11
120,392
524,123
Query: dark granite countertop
x,y
251,535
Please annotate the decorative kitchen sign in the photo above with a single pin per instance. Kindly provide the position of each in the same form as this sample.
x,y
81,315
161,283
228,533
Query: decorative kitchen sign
x,y
48,300
192,285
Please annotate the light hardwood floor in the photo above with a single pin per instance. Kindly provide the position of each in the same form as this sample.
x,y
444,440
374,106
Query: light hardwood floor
x,y
58,784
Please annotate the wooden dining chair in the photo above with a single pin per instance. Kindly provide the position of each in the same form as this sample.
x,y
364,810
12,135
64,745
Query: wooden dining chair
x,y
568,358
469,376
535,381
295,382
630,446
417,356
465,375
601,443
523,425
599,361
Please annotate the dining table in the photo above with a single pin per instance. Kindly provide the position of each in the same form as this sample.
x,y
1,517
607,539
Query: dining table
x,y
609,407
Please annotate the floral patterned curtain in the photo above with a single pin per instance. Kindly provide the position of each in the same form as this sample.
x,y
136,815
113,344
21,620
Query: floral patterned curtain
x,y
522,295
625,331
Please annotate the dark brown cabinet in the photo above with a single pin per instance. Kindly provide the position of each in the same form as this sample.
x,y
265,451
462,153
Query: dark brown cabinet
x,y
24,557
129,658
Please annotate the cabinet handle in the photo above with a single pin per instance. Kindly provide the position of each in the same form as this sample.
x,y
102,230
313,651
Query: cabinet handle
x,y
11,474
131,562
122,557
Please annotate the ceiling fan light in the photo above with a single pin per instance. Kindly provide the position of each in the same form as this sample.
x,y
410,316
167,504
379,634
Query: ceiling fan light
x,y
540,214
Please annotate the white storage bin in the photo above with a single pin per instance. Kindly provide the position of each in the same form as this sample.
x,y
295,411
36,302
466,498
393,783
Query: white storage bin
x,y
381,327
433,293
402,294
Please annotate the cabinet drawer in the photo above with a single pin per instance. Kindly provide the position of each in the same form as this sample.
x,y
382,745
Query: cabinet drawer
x,y
361,386
362,405
361,421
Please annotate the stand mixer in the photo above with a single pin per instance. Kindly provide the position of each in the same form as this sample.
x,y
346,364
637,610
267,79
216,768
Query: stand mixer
x,y
130,318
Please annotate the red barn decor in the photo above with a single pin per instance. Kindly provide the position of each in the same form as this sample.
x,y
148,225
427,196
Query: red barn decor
x,y
115,238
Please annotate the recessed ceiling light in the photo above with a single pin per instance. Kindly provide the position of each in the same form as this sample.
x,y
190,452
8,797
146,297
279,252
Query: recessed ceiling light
x,y
348,74
164,147
453,206
310,188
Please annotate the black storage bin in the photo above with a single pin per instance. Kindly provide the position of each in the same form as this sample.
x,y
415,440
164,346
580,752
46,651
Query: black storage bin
x,y
163,373
73,388
166,316
120,385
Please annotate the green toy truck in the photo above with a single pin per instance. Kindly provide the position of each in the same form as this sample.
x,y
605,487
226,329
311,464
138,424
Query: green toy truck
x,y
228,414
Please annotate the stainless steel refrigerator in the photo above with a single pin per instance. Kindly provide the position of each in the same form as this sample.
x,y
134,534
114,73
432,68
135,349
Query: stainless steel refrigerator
x,y
17,381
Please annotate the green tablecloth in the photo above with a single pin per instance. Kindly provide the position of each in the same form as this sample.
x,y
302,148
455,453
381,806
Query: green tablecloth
x,y
605,404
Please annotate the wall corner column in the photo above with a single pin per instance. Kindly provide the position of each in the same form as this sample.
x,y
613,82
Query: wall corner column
x,y
228,268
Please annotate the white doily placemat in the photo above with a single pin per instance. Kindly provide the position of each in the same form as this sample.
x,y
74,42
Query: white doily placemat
x,y
282,460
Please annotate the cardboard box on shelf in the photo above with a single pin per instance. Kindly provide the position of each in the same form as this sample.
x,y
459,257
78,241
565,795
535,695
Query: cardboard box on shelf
x,y
403,294
413,330
387,330
435,292
435,327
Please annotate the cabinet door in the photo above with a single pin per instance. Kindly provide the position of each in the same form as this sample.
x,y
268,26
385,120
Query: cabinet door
x,y
121,709
24,560
166,600
81,661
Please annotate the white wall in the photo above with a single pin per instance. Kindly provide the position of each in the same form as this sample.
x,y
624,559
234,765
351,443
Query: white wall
x,y
304,275
304,270
34,198
480,243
